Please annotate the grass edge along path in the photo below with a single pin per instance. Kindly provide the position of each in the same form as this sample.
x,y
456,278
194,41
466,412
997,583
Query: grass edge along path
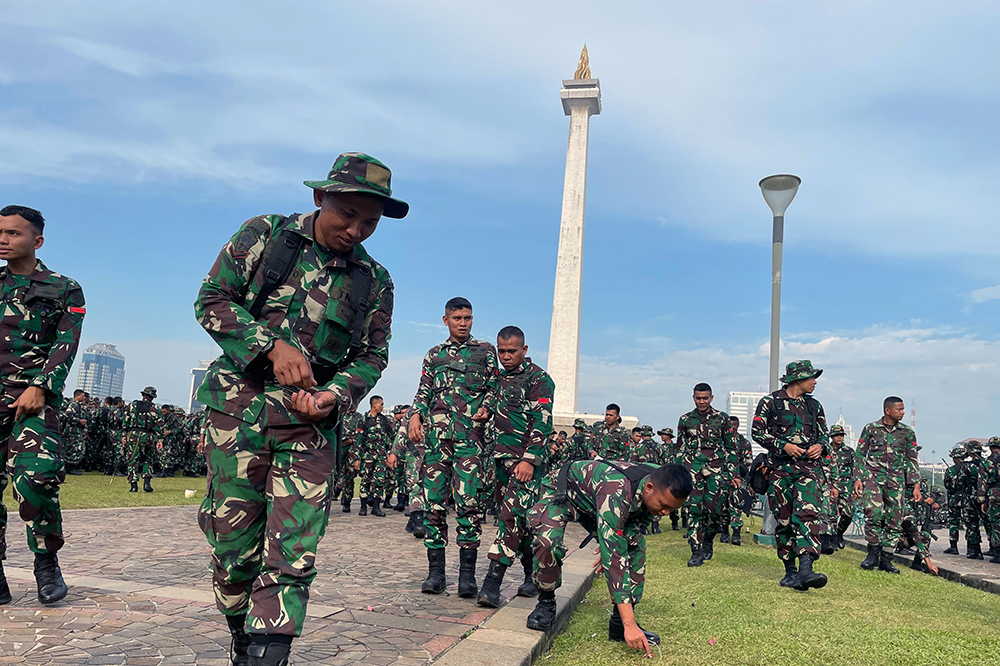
x,y
94,490
732,611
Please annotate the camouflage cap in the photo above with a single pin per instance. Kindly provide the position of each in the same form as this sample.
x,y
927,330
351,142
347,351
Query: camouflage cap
x,y
149,390
399,409
669,432
958,451
797,370
994,442
357,172
579,423
837,430
974,446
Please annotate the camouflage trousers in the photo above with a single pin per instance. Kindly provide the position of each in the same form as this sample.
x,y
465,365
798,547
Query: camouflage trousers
x,y
548,521
516,502
883,501
954,516
346,474
451,468
732,512
30,457
140,452
490,490
993,516
265,512
413,460
796,500
829,518
973,519
372,473
395,482
844,507
707,505
74,449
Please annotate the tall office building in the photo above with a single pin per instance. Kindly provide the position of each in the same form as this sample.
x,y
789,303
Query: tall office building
x,y
742,405
197,377
102,371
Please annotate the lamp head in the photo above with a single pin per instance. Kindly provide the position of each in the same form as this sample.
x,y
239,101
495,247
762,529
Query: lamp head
x,y
779,191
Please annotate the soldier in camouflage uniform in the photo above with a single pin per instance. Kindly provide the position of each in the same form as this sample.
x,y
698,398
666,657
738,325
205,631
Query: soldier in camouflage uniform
x,y
73,424
644,449
968,485
143,428
733,512
398,473
668,449
521,409
791,425
580,443
886,465
843,478
372,449
410,456
350,464
456,376
955,509
708,448
610,439
195,464
41,315
988,496
613,501
175,435
117,434
295,356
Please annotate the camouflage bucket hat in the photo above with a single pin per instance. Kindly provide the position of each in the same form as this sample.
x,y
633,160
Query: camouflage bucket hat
x,y
994,441
669,432
837,430
399,409
958,451
797,370
975,446
647,430
149,390
579,423
357,172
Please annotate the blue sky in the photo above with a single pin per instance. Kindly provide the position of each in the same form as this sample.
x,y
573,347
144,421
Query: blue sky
x,y
146,132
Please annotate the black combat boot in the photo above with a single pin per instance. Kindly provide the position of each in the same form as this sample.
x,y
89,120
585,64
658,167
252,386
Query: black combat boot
x,y
269,650
885,562
527,588
874,555
842,525
952,548
409,524
995,559
974,552
684,521
673,521
708,548
48,576
991,552
363,511
545,612
435,582
241,639
697,556
807,577
791,578
616,629
146,485
724,537
377,508
345,502
656,528
736,539
841,544
489,594
918,564
467,586
386,503
5,596
401,502
133,486
419,531
74,470
827,546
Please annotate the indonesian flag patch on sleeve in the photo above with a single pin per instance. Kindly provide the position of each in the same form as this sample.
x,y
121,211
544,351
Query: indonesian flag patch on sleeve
x,y
76,310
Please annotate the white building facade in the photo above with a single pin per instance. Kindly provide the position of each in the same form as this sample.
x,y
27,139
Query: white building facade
x,y
742,405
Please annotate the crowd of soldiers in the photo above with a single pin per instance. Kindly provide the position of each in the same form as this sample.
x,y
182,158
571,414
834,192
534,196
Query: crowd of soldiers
x,y
972,488
127,439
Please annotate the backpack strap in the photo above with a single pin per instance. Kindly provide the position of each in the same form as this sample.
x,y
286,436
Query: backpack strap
x,y
279,258
361,284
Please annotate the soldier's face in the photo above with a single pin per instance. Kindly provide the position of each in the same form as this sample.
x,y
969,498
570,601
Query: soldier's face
x,y
659,502
896,411
667,439
459,323
18,238
345,219
838,440
561,439
702,400
511,352
611,418
636,437
377,406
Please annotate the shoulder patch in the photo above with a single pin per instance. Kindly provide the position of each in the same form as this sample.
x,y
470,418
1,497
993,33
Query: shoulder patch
x,y
254,230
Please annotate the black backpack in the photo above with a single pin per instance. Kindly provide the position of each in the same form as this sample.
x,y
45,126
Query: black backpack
x,y
761,474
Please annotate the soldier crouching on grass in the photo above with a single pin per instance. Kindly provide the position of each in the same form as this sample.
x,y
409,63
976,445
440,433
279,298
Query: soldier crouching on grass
x,y
613,501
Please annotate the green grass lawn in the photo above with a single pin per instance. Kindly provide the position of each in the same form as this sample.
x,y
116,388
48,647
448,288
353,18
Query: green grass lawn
x,y
94,491
734,600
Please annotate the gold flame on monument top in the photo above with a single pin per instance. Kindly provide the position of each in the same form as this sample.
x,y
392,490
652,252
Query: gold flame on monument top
x,y
583,69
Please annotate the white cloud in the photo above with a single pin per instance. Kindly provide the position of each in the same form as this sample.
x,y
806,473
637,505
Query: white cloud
x,y
985,294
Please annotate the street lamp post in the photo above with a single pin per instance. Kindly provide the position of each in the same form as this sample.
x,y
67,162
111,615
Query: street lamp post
x,y
778,192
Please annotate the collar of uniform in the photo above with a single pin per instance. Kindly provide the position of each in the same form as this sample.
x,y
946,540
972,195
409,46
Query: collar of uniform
x,y
699,415
40,274
304,224
519,369
451,343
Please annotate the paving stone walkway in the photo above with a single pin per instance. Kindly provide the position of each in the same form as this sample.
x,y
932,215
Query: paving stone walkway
x,y
140,594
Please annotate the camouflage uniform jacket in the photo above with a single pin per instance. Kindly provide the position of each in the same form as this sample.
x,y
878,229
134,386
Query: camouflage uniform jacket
x,y
375,437
744,454
611,443
350,430
646,451
598,492
143,415
521,406
989,481
951,476
455,379
708,444
577,447
843,468
780,420
311,312
69,421
888,452
40,323
968,479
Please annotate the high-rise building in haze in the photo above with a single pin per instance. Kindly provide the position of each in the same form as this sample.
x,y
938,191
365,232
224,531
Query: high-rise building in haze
x,y
197,377
102,371
742,405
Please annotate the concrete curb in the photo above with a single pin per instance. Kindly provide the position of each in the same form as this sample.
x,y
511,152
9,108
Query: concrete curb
x,y
503,640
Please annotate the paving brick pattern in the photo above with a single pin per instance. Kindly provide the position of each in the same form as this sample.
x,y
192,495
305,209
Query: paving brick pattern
x,y
140,595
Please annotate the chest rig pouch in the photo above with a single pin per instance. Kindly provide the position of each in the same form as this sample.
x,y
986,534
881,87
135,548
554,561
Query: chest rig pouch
x,y
633,475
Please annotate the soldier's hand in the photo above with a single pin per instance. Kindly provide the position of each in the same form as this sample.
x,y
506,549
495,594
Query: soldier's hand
x,y
834,493
737,483
598,567
931,566
416,429
814,451
159,446
481,416
524,471
391,461
917,495
290,367
793,451
636,639
857,488
357,465
314,406
201,447
29,403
